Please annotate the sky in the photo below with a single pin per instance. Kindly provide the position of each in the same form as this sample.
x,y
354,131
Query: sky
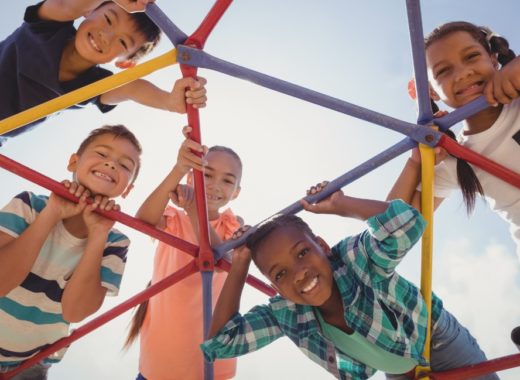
x,y
352,50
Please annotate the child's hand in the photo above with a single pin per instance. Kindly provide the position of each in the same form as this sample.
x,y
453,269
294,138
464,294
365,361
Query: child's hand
x,y
240,231
186,158
187,90
328,205
132,6
504,85
184,197
95,222
241,259
65,208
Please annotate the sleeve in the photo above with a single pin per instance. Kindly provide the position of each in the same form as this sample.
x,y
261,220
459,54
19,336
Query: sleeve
x,y
20,212
390,235
44,28
243,334
113,262
99,73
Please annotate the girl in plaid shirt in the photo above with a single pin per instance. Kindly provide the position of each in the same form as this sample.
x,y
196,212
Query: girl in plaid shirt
x,y
345,307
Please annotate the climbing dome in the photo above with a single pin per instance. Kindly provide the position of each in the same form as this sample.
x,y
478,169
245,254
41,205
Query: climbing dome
x,y
192,57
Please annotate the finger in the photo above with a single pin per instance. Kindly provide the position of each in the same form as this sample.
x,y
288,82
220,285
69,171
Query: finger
x,y
103,203
509,90
66,183
489,94
186,131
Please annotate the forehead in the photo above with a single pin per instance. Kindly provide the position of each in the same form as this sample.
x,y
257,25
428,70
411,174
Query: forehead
x,y
124,19
278,246
224,163
452,43
119,145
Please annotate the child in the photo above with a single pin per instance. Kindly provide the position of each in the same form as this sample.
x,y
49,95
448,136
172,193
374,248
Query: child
x,y
58,259
345,307
47,57
463,62
171,324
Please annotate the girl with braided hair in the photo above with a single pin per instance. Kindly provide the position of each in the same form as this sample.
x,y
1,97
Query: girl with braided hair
x,y
465,61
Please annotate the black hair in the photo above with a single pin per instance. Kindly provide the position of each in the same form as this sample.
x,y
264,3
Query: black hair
x,y
267,227
147,28
493,44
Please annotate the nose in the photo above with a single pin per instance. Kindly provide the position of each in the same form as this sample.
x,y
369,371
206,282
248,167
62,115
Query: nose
x,y
110,165
106,35
300,273
462,72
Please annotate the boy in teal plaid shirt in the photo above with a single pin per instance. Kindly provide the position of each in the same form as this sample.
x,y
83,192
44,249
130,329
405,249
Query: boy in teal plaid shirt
x,y
345,307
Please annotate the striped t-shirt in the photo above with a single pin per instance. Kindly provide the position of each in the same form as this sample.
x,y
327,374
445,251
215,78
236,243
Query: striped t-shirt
x,y
31,314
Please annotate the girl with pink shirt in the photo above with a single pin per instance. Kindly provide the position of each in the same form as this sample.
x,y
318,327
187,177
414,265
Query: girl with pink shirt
x,y
170,323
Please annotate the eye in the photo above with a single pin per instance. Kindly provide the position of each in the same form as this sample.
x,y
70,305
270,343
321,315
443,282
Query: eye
x,y
229,181
101,154
125,167
472,56
278,276
109,22
441,71
303,252
124,44
207,175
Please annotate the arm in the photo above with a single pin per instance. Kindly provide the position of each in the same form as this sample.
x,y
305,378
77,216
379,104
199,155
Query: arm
x,y
17,255
185,90
69,10
83,295
342,205
152,209
228,303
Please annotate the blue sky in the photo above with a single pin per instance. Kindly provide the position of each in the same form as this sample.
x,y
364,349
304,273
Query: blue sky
x,y
356,51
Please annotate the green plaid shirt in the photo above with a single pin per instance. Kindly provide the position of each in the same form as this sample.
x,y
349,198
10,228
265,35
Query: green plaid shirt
x,y
378,303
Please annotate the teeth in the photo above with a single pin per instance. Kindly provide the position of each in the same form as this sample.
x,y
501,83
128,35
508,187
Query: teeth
x,y
103,176
93,43
311,285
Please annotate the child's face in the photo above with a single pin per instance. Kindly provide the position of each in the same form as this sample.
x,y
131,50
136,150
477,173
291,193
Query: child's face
x,y
106,166
459,68
222,179
106,34
297,265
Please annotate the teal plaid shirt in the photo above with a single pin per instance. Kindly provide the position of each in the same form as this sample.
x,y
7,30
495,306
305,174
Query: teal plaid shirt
x,y
378,303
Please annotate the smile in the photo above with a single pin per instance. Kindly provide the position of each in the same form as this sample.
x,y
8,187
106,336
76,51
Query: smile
x,y
311,285
94,44
103,176
213,197
474,88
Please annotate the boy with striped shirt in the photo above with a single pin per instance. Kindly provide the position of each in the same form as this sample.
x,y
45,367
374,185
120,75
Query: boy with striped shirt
x,y
59,259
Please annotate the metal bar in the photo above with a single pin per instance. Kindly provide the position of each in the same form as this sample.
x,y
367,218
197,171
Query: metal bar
x,y
207,303
174,34
199,37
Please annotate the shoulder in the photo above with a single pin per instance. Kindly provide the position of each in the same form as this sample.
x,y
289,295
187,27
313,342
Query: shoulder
x,y
27,199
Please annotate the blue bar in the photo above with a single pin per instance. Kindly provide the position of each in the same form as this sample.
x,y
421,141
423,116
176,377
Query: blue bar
x,y
194,57
174,34
462,113
338,183
207,277
413,8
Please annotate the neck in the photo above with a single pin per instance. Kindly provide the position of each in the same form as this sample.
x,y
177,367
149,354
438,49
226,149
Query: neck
x,y
72,64
334,305
482,120
213,215
76,226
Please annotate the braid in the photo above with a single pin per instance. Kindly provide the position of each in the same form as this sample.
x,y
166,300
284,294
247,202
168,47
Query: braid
x,y
500,46
468,180
137,322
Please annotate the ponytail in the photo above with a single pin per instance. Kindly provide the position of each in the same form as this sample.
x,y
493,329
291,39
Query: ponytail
x,y
468,181
136,323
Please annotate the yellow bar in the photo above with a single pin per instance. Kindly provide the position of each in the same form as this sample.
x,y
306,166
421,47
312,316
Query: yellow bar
x,y
427,174
87,92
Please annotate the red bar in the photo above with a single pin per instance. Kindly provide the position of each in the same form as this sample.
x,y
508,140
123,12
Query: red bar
x,y
482,162
479,369
199,37
105,317
127,220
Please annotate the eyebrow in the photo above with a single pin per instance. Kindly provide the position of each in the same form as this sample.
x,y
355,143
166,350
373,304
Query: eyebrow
x,y
290,250
229,174
125,156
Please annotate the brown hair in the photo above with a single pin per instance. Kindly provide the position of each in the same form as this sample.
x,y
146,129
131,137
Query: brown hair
x,y
137,322
494,45
118,131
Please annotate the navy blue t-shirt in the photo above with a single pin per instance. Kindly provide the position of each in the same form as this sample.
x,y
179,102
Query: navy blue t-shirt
x,y
29,67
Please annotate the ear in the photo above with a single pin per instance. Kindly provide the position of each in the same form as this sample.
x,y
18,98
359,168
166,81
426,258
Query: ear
x,y
433,94
73,162
127,191
236,193
126,64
